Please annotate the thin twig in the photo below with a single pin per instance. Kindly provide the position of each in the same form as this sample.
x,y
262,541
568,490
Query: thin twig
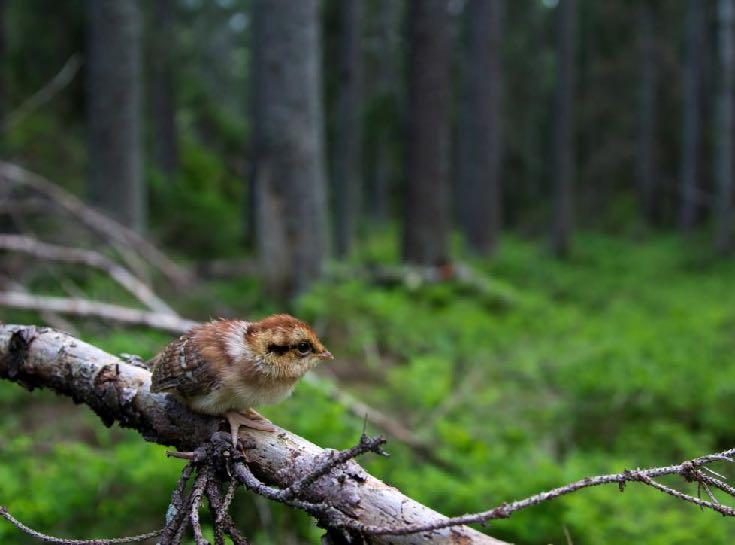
x,y
176,515
230,495
51,252
51,318
333,459
62,541
646,477
30,355
117,234
689,470
63,78
96,309
217,511
197,492
222,517
386,422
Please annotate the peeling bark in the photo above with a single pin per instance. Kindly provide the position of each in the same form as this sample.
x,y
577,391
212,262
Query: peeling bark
x,y
119,392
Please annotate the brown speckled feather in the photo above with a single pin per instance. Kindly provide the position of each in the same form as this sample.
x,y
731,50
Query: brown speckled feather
x,y
234,365
180,368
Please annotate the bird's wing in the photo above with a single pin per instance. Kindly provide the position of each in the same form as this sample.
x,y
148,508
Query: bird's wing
x,y
180,368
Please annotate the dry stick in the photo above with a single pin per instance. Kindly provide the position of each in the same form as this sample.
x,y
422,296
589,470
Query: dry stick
x,y
51,318
217,512
174,531
52,252
30,205
290,495
378,418
332,460
87,308
334,517
99,223
686,469
32,356
116,391
61,541
229,496
63,78
196,497
176,514
179,529
243,474
223,520
707,480
338,519
174,324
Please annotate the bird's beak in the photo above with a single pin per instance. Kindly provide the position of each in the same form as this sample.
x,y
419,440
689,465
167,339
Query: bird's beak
x,y
326,355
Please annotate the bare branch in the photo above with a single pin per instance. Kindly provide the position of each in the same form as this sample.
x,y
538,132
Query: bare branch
x,y
688,470
63,78
196,497
87,308
62,541
174,324
52,252
116,233
222,517
333,459
378,418
51,318
327,485
119,392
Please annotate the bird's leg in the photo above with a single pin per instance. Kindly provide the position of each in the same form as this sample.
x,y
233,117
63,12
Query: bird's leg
x,y
262,422
249,419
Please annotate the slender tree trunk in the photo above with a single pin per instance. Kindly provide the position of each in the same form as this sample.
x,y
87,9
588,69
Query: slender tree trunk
x,y
7,222
564,130
347,172
386,90
426,229
480,140
646,172
289,171
691,126
726,126
3,63
162,88
115,171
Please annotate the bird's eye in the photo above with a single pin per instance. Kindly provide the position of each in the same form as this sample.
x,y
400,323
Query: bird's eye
x,y
303,348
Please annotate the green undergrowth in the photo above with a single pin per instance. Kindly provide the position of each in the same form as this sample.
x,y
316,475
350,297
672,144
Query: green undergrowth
x,y
548,372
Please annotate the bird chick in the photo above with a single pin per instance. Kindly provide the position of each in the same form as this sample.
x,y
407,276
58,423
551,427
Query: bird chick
x,y
226,367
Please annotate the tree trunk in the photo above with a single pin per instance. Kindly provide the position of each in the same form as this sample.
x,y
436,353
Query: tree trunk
x,y
426,229
113,97
646,172
347,172
385,86
7,221
564,130
480,140
162,89
3,63
691,125
726,126
289,172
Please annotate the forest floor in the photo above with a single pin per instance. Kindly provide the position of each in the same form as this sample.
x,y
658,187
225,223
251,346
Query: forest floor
x,y
623,356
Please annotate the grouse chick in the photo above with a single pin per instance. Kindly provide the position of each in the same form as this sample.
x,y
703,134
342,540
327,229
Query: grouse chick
x,y
226,367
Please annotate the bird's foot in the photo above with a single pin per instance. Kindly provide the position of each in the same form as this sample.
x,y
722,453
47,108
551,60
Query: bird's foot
x,y
249,419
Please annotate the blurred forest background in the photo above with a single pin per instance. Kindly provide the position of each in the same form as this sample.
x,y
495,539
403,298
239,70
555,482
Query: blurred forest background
x,y
512,222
